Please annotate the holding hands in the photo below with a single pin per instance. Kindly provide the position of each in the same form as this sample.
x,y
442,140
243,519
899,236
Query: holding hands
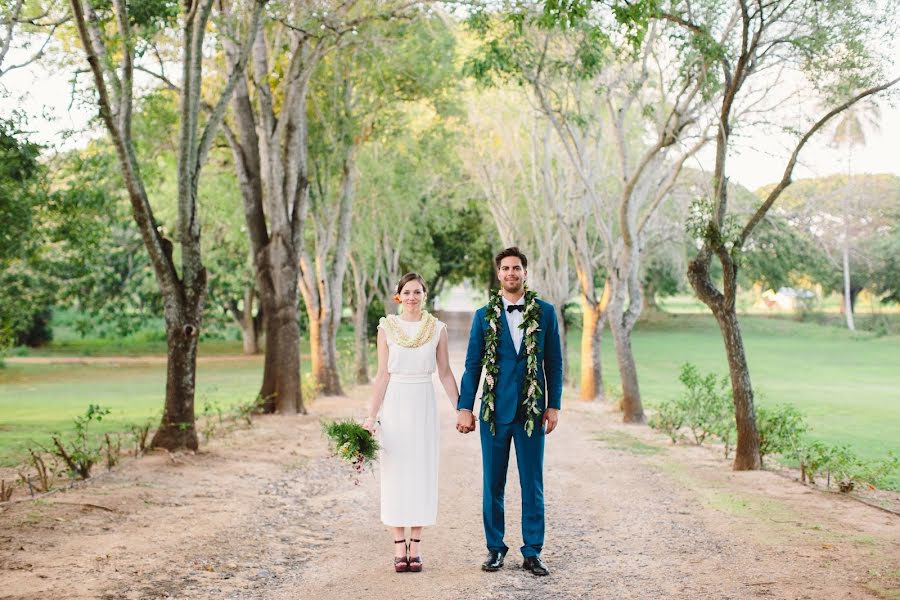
x,y
465,421
550,419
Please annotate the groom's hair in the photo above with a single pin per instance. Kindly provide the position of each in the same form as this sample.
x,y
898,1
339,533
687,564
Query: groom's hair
x,y
411,277
514,251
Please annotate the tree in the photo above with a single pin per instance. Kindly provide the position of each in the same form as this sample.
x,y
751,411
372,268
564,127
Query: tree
x,y
850,131
747,39
886,275
269,137
24,290
113,39
19,198
839,216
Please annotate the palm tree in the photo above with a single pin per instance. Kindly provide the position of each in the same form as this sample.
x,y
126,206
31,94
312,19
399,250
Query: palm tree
x,y
849,132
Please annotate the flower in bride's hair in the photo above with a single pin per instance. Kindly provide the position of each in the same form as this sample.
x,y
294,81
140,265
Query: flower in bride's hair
x,y
397,298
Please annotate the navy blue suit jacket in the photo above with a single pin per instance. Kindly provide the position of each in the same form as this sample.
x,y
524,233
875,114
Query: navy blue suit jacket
x,y
508,389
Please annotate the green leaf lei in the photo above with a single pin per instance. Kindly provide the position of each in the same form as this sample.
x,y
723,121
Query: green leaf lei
x,y
530,320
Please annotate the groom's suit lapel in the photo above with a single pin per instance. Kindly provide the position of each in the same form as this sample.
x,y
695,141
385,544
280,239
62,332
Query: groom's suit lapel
x,y
522,347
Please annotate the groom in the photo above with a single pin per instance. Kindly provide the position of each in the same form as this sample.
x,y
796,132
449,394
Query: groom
x,y
516,336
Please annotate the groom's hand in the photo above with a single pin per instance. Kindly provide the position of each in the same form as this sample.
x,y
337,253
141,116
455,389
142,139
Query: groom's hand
x,y
465,421
551,418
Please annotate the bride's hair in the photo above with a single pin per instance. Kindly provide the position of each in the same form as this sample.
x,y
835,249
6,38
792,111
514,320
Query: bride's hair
x,y
411,277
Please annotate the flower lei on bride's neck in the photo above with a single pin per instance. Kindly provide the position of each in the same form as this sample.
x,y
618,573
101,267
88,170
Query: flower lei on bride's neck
x,y
530,319
423,334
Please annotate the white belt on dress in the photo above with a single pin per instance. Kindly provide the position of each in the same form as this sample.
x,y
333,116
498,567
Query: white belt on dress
x,y
410,378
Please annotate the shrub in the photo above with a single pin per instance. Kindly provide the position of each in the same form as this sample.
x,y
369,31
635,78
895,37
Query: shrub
x,y
212,418
139,434
848,469
45,475
247,410
779,428
707,402
81,452
705,408
669,418
726,431
814,457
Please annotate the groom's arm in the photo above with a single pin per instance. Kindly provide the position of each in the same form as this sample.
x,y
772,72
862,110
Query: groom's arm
x,y
472,374
553,371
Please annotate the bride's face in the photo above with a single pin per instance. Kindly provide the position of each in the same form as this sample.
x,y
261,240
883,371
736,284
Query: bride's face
x,y
412,295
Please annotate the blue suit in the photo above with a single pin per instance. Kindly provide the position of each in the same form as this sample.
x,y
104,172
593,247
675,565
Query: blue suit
x,y
509,424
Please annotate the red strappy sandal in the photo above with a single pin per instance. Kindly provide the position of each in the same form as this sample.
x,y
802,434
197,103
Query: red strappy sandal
x,y
401,563
415,562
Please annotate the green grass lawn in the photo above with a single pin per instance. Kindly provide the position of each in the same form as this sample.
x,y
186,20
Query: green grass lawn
x,y
38,399
848,384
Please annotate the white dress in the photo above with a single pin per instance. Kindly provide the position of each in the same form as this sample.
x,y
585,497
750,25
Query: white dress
x,y
409,432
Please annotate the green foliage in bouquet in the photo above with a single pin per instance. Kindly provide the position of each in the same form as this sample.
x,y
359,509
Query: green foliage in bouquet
x,y
351,442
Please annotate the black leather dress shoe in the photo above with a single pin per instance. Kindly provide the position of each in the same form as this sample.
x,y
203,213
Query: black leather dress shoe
x,y
494,561
535,565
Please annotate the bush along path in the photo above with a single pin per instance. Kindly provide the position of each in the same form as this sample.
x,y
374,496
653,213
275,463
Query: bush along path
x,y
266,512
704,411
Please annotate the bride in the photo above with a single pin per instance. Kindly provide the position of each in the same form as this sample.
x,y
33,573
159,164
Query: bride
x,y
410,346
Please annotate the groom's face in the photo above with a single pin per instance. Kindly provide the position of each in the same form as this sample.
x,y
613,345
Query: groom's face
x,y
511,274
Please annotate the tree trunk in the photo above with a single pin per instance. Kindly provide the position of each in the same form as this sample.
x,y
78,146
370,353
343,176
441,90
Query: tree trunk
x,y
176,429
280,388
632,409
324,354
746,457
723,307
562,342
848,292
268,144
249,331
360,297
649,298
623,308
361,342
276,278
591,370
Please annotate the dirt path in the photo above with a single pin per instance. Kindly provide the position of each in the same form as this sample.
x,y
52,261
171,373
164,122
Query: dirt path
x,y
265,514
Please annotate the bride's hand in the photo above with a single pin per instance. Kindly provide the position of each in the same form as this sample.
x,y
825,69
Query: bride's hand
x,y
369,425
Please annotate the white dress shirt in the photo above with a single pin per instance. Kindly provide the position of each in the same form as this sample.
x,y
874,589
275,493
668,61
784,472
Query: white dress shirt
x,y
513,320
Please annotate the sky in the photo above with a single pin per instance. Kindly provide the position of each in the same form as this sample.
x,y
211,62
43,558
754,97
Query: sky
x,y
757,159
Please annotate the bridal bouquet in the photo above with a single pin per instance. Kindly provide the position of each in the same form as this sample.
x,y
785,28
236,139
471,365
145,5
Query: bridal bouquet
x,y
352,443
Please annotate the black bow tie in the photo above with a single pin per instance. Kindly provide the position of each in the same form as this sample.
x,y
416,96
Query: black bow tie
x,y
512,307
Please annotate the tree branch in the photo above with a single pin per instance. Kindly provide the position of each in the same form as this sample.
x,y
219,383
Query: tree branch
x,y
789,169
217,113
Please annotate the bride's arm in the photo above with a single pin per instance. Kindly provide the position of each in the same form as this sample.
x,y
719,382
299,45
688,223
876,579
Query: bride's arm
x,y
381,382
444,372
